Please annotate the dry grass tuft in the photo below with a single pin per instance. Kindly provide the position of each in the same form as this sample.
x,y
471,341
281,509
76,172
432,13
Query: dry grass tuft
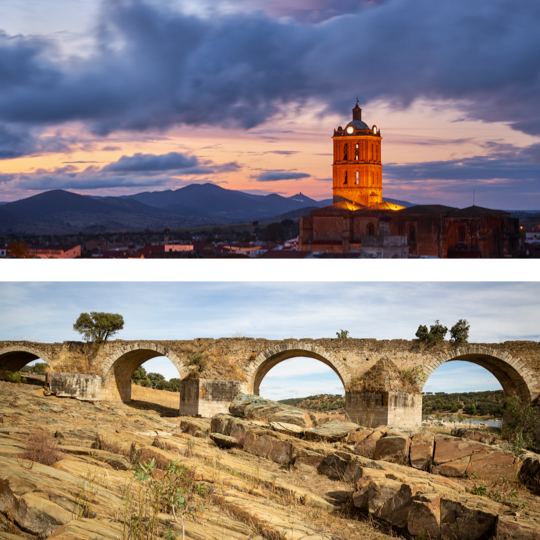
x,y
41,447
260,526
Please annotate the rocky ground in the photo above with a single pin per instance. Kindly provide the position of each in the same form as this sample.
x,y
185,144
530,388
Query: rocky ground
x,y
270,473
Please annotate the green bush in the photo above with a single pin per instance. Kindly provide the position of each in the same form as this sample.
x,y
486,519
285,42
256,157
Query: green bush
x,y
14,377
435,334
520,429
459,333
197,360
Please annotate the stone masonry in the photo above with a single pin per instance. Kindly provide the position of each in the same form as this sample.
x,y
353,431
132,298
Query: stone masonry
x,y
230,365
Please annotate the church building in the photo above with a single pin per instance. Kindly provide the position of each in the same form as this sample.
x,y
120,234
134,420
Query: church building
x,y
361,221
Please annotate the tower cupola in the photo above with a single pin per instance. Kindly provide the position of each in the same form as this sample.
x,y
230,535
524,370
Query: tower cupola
x,y
357,167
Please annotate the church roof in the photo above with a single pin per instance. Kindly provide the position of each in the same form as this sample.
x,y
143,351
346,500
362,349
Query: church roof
x,y
476,211
385,205
343,206
426,210
358,124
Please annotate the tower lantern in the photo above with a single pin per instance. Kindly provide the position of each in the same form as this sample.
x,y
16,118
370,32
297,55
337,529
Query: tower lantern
x,y
357,167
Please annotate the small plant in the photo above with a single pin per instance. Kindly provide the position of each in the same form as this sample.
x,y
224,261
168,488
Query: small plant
x,y
501,491
190,448
177,491
342,334
41,447
459,333
198,361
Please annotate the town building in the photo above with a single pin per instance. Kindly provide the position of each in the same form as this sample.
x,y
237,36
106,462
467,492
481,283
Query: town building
x,y
361,221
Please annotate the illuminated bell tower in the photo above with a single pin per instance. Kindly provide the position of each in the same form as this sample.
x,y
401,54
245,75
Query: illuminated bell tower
x,y
357,167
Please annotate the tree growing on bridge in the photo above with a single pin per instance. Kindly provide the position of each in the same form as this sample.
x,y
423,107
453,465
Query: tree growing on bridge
x,y
342,334
459,333
98,327
435,333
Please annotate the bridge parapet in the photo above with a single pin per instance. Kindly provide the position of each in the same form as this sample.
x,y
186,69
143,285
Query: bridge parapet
x,y
245,362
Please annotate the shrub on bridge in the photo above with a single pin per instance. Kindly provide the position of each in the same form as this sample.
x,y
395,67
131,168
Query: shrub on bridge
x,y
435,334
459,333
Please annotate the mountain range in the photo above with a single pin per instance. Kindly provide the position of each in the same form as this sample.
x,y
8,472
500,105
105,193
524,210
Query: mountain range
x,y
64,212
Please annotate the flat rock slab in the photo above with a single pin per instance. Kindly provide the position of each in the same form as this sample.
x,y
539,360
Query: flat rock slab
x,y
289,429
331,431
88,529
224,441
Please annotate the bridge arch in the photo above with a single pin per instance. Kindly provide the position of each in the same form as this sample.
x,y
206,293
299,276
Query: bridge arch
x,y
15,357
270,358
119,367
514,377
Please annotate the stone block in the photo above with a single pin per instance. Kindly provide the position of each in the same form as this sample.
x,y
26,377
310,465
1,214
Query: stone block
x,y
471,518
452,449
224,441
393,449
455,468
424,519
421,453
493,465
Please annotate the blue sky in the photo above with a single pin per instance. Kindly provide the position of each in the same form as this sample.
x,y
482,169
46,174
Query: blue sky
x,y
497,312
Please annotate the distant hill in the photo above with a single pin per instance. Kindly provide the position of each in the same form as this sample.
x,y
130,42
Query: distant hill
x,y
321,402
64,212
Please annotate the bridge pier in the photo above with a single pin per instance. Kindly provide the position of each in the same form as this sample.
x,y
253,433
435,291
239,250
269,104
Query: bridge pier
x,y
372,409
207,397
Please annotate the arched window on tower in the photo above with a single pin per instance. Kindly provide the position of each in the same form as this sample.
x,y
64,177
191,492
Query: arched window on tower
x,y
371,229
345,178
345,152
356,153
461,233
357,181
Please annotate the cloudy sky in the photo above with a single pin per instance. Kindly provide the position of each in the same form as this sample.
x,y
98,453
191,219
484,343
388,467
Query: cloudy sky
x,y
122,96
497,312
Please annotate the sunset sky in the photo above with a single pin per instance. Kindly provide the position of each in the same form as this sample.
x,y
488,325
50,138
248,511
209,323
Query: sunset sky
x,y
123,96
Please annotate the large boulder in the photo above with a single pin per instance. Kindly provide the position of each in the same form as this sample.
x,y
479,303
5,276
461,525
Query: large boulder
x,y
253,407
287,429
529,472
455,457
293,416
366,447
394,449
385,499
224,441
424,518
331,431
421,453
494,465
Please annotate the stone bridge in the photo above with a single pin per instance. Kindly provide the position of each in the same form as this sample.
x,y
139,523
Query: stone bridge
x,y
383,380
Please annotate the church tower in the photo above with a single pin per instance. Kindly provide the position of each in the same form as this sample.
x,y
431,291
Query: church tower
x,y
357,167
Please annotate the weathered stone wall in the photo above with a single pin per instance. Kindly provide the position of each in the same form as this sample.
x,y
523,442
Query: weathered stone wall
x,y
516,364
75,385
206,398
385,408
